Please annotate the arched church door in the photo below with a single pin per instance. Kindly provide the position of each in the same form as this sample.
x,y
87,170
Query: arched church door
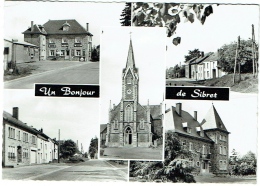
x,y
128,136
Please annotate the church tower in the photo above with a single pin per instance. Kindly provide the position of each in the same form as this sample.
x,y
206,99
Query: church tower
x,y
129,121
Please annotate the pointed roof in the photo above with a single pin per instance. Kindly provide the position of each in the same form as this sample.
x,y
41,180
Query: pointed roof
x,y
130,58
212,120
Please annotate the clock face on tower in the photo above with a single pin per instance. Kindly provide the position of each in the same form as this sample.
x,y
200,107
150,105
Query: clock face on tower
x,y
129,91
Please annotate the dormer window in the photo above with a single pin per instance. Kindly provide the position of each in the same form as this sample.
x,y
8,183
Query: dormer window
x,y
66,26
189,130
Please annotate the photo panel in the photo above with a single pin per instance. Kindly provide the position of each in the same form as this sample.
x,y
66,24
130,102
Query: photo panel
x,y
132,92
58,134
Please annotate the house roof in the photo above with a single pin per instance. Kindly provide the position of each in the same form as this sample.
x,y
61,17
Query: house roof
x,y
37,29
191,60
8,117
103,127
212,57
55,27
155,111
199,60
25,44
179,123
212,120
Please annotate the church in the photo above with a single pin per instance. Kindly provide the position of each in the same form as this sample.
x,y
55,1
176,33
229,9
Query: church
x,y
130,123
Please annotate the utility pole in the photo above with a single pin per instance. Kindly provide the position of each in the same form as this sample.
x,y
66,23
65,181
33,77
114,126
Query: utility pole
x,y
238,45
59,148
253,50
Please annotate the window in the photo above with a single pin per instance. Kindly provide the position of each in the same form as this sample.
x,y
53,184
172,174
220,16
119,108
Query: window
x,y
77,40
184,144
25,153
128,113
207,73
191,146
62,53
220,150
225,151
19,135
77,52
11,132
220,137
198,164
11,152
207,65
52,53
142,124
33,140
189,130
51,41
25,137
64,40
115,124
129,78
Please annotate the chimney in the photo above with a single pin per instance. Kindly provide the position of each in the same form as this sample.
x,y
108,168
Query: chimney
x,y
87,27
195,115
178,108
16,112
32,26
202,54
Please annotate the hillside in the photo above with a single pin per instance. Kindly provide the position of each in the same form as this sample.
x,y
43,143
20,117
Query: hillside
x,y
248,83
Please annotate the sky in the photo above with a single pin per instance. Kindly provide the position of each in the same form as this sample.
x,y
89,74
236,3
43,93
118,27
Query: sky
x,y
18,16
77,118
239,116
149,55
222,27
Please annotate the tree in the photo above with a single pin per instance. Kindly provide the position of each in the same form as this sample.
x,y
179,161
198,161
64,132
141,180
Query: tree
x,y
227,55
93,147
95,53
172,169
169,15
68,148
192,53
126,15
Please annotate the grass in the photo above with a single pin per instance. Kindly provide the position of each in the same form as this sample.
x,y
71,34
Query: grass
x,y
21,71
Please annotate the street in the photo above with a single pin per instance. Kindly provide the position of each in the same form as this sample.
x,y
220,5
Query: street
x,y
91,170
78,73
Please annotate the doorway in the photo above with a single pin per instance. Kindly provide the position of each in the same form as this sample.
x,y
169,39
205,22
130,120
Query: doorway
x,y
128,136
19,154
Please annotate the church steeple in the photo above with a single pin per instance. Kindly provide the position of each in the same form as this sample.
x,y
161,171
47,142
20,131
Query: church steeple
x,y
130,58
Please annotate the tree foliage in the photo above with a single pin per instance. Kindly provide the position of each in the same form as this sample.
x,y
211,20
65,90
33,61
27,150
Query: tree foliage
x,y
68,148
192,53
169,15
245,165
126,15
93,147
172,169
227,55
95,54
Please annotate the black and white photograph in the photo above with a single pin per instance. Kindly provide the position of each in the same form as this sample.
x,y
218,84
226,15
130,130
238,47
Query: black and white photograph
x,y
208,44
206,142
54,139
131,93
54,42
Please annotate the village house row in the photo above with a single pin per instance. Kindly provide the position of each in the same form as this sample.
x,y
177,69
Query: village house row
x,y
204,66
54,40
25,145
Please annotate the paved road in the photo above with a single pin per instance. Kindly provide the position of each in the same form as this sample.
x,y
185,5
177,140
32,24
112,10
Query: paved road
x,y
81,73
133,153
92,170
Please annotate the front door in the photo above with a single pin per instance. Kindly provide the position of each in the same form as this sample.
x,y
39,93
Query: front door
x,y
128,136
67,56
214,73
204,167
19,154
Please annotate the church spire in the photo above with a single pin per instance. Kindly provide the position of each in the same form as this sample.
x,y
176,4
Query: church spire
x,y
130,58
